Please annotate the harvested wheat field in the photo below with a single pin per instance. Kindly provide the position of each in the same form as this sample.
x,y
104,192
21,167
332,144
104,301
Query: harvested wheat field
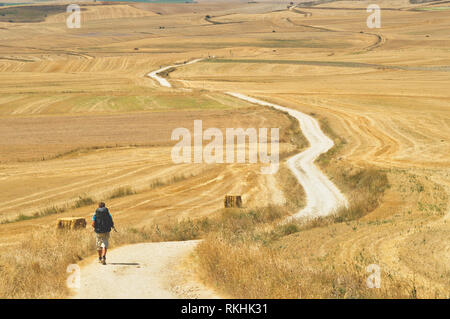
x,y
87,115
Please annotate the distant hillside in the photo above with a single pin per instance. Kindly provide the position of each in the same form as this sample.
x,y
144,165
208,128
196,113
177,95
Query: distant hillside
x,y
30,13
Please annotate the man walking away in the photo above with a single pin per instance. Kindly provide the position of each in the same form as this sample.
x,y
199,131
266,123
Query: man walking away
x,y
102,222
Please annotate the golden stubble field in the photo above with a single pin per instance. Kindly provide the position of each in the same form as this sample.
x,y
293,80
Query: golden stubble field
x,y
78,118
81,125
386,96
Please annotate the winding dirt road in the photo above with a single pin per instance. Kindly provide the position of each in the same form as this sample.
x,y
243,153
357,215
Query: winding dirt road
x,y
322,196
162,81
152,270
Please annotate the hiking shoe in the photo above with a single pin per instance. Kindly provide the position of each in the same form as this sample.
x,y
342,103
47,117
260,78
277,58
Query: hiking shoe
x,y
100,259
103,261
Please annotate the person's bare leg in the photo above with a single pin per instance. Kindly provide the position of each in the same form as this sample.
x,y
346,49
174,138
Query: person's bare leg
x,y
104,252
99,253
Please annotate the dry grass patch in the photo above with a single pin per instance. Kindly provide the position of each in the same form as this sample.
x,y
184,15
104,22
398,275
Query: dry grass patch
x,y
169,181
247,257
82,201
272,271
339,142
37,267
251,270
122,192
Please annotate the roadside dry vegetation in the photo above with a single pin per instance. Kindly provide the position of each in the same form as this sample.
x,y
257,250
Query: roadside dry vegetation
x,y
235,239
273,271
303,259
37,267
254,239
380,96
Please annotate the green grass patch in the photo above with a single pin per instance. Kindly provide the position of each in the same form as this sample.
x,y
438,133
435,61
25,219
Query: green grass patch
x,y
30,14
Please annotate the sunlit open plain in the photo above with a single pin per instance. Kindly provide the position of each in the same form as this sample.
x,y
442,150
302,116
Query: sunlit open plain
x,y
79,118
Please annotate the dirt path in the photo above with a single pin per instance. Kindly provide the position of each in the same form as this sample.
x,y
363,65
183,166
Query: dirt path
x,y
162,81
154,270
322,196
150,271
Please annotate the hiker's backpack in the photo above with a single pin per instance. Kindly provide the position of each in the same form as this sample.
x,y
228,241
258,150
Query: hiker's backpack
x,y
103,221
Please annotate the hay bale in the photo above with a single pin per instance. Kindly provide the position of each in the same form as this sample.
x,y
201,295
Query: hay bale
x,y
233,201
71,223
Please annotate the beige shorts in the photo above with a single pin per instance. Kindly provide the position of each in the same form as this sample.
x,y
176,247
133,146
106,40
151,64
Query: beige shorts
x,y
102,240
